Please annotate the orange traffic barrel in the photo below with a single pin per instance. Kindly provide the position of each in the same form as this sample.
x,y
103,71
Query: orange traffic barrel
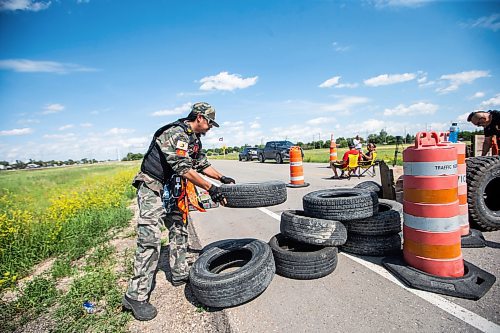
x,y
333,151
463,214
462,188
431,230
296,168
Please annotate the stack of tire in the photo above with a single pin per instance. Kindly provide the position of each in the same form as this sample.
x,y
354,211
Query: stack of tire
x,y
483,192
373,225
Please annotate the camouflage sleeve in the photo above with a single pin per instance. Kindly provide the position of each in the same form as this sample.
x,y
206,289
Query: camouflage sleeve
x,y
171,141
201,162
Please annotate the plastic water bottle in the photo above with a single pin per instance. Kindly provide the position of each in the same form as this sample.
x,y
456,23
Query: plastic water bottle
x,y
454,132
89,307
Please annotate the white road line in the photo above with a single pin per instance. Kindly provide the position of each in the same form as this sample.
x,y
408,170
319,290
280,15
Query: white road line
x,y
455,310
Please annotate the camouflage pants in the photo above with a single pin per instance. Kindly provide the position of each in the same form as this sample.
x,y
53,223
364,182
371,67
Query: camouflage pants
x,y
151,216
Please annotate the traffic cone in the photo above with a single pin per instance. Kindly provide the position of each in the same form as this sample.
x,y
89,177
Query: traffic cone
x,y
296,168
333,151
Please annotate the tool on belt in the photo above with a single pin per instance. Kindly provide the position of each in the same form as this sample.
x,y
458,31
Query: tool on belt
x,y
181,192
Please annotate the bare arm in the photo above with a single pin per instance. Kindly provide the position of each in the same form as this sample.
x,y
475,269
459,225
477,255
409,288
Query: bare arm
x,y
486,145
212,173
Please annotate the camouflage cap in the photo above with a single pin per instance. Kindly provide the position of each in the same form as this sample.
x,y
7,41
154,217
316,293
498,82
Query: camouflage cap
x,y
206,110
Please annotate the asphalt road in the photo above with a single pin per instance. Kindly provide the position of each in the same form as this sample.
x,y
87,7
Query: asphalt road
x,y
360,295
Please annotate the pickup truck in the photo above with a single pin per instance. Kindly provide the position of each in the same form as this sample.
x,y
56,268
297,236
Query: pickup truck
x,y
276,150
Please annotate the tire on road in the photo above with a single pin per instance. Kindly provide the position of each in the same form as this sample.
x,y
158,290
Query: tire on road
x,y
340,204
301,261
376,246
483,191
386,222
251,195
371,186
232,273
297,226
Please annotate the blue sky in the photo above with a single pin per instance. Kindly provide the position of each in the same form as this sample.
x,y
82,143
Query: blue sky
x,y
95,78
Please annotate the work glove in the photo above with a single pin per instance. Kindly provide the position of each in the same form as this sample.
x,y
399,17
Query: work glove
x,y
227,180
216,194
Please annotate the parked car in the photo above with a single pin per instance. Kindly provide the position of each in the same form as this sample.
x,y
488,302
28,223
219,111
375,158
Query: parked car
x,y
248,154
277,150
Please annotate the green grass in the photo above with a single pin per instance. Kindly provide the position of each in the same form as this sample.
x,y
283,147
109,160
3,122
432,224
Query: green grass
x,y
33,187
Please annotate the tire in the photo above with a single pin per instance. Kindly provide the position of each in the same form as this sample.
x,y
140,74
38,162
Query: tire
x,y
371,186
309,230
483,191
376,246
261,158
239,158
341,204
279,159
248,158
214,287
251,195
300,261
386,222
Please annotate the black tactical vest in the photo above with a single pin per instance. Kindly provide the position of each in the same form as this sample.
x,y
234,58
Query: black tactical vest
x,y
155,163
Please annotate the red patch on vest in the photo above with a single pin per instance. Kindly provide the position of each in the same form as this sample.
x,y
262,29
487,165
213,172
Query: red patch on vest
x,y
180,152
196,148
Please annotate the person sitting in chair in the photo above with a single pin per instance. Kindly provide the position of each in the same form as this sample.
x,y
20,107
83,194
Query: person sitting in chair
x,y
369,154
345,160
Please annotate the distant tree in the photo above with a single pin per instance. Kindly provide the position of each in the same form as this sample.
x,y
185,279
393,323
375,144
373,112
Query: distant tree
x,y
382,136
390,139
341,142
373,138
133,157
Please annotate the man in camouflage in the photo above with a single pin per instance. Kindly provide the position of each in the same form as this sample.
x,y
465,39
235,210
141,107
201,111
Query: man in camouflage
x,y
173,158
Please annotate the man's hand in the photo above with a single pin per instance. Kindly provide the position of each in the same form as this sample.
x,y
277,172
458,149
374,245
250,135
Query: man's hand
x,y
227,180
216,195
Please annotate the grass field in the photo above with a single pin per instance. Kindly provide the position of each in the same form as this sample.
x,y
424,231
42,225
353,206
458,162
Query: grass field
x,y
64,214
384,152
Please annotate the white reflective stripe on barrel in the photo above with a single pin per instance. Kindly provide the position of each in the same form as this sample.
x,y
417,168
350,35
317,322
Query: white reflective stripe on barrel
x,y
296,163
442,224
462,180
430,168
297,178
464,219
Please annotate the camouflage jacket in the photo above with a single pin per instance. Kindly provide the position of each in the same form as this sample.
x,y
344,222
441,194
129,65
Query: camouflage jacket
x,y
182,150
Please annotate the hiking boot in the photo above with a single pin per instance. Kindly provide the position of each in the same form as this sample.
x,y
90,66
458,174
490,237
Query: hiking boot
x,y
142,310
179,281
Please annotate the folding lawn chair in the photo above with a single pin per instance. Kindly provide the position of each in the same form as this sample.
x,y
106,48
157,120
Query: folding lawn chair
x,y
352,166
368,166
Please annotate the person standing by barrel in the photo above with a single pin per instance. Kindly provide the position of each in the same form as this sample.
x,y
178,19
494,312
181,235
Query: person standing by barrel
x,y
490,120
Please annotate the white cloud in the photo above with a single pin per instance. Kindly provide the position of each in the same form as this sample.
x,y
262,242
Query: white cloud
x,y
494,101
399,3
340,48
82,1
28,121
463,117
64,137
16,131
53,108
335,82
86,125
226,81
319,121
183,109
117,131
419,108
29,5
254,125
345,103
458,79
491,22
386,79
479,94
330,82
32,66
65,127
